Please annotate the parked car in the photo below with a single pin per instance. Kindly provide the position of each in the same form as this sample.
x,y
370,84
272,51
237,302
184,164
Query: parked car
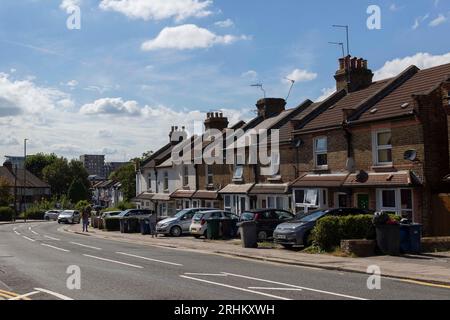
x,y
179,224
110,214
266,220
297,232
52,215
199,225
134,213
69,216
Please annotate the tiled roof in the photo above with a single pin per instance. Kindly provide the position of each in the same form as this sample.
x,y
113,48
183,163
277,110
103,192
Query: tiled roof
x,y
206,195
31,180
400,102
237,188
182,194
333,116
287,128
320,180
270,189
144,196
396,179
161,197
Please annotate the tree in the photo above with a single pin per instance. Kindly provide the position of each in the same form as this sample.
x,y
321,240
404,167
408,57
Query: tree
x,y
79,172
36,163
126,175
59,176
5,192
78,191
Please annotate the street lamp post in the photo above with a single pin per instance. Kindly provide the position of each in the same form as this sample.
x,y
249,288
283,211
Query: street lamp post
x,y
24,190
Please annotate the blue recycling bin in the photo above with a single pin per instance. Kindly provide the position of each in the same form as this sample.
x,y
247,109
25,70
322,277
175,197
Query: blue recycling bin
x,y
145,226
411,238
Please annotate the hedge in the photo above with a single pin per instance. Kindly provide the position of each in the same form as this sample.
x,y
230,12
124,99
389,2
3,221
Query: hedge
x,y
6,214
34,214
329,231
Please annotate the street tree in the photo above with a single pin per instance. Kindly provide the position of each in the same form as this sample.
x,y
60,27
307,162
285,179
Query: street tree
x,y
5,192
36,163
78,191
126,175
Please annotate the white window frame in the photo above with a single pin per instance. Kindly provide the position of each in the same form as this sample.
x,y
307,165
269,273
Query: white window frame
x,y
322,202
185,176
398,201
376,148
241,176
336,198
228,199
149,181
320,152
166,181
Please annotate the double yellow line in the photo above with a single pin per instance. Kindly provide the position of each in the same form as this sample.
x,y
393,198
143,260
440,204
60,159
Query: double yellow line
x,y
9,295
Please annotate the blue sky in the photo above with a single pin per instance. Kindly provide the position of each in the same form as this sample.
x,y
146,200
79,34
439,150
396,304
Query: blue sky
x,y
137,67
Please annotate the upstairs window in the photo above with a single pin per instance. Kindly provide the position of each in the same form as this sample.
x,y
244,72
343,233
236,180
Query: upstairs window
x,y
166,180
238,172
383,147
185,176
149,182
321,152
209,175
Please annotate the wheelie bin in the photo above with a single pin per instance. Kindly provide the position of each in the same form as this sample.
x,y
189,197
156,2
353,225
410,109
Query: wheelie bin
x,y
213,229
248,234
145,226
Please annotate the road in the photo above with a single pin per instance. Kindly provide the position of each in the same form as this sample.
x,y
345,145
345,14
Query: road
x,y
35,257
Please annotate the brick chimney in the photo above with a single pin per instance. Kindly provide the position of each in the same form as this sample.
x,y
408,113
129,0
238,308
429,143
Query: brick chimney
x,y
353,74
176,135
270,107
8,165
216,120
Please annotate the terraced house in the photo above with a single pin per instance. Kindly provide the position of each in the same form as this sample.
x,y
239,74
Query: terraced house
x,y
383,145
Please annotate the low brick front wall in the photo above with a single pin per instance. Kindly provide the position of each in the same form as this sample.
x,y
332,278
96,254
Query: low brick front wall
x,y
359,248
436,244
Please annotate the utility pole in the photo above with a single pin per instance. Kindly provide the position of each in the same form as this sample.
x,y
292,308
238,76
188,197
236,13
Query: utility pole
x,y
24,190
15,192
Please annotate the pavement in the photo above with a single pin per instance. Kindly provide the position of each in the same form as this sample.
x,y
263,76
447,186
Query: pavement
x,y
429,268
42,261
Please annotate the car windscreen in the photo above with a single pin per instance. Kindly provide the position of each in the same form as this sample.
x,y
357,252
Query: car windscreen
x,y
67,213
181,213
313,216
198,217
247,216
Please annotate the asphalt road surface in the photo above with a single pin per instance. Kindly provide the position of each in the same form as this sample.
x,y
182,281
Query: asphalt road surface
x,y
35,257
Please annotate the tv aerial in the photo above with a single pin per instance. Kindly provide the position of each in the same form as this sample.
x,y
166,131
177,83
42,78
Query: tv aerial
x,y
260,86
290,89
341,44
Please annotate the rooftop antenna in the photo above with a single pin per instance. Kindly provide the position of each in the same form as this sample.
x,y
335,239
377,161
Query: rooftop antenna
x,y
341,44
290,89
347,33
259,85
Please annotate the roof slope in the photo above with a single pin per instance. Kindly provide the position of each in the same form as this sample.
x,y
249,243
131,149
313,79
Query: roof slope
x,y
31,180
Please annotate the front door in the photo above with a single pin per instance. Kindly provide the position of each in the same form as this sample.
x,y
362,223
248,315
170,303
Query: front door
x,y
363,201
242,205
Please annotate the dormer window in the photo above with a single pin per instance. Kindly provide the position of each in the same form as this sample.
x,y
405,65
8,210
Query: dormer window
x,y
321,152
382,141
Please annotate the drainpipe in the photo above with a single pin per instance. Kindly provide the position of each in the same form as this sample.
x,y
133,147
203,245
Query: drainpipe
x,y
350,165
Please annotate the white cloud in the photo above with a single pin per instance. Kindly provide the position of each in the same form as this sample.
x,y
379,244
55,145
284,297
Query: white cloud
x,y
421,60
72,83
111,106
326,92
225,23
419,20
299,75
67,4
250,74
158,9
188,36
25,96
105,133
438,21
9,140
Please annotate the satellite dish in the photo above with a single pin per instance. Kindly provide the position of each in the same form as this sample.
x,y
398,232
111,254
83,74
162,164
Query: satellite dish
x,y
362,176
297,143
410,155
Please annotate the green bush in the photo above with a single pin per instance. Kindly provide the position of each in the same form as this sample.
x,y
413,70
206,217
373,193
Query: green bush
x,y
125,206
112,224
34,214
6,214
329,231
81,205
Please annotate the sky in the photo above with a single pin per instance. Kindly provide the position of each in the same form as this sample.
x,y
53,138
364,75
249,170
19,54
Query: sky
x,y
137,67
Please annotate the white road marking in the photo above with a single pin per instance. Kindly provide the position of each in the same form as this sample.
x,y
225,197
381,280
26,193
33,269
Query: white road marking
x,y
51,238
275,289
83,245
55,294
113,261
237,288
297,287
206,274
149,259
24,295
34,232
29,239
18,233
53,247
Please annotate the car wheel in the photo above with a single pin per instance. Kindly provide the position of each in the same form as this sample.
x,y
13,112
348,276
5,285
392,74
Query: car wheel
x,y
197,236
175,232
262,236
47,219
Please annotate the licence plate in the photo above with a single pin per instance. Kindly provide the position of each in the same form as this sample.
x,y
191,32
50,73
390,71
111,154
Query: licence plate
x,y
281,237
194,230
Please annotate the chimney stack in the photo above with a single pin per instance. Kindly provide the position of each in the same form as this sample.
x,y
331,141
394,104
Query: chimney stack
x,y
216,120
270,107
353,74
176,136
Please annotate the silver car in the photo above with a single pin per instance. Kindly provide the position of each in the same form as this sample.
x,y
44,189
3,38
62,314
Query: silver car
x,y
69,216
179,224
52,215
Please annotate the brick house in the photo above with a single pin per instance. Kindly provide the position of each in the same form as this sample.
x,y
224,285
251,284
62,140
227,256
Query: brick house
x,y
381,145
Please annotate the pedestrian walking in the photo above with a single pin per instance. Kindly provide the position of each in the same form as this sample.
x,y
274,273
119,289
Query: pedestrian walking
x,y
85,217
153,225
